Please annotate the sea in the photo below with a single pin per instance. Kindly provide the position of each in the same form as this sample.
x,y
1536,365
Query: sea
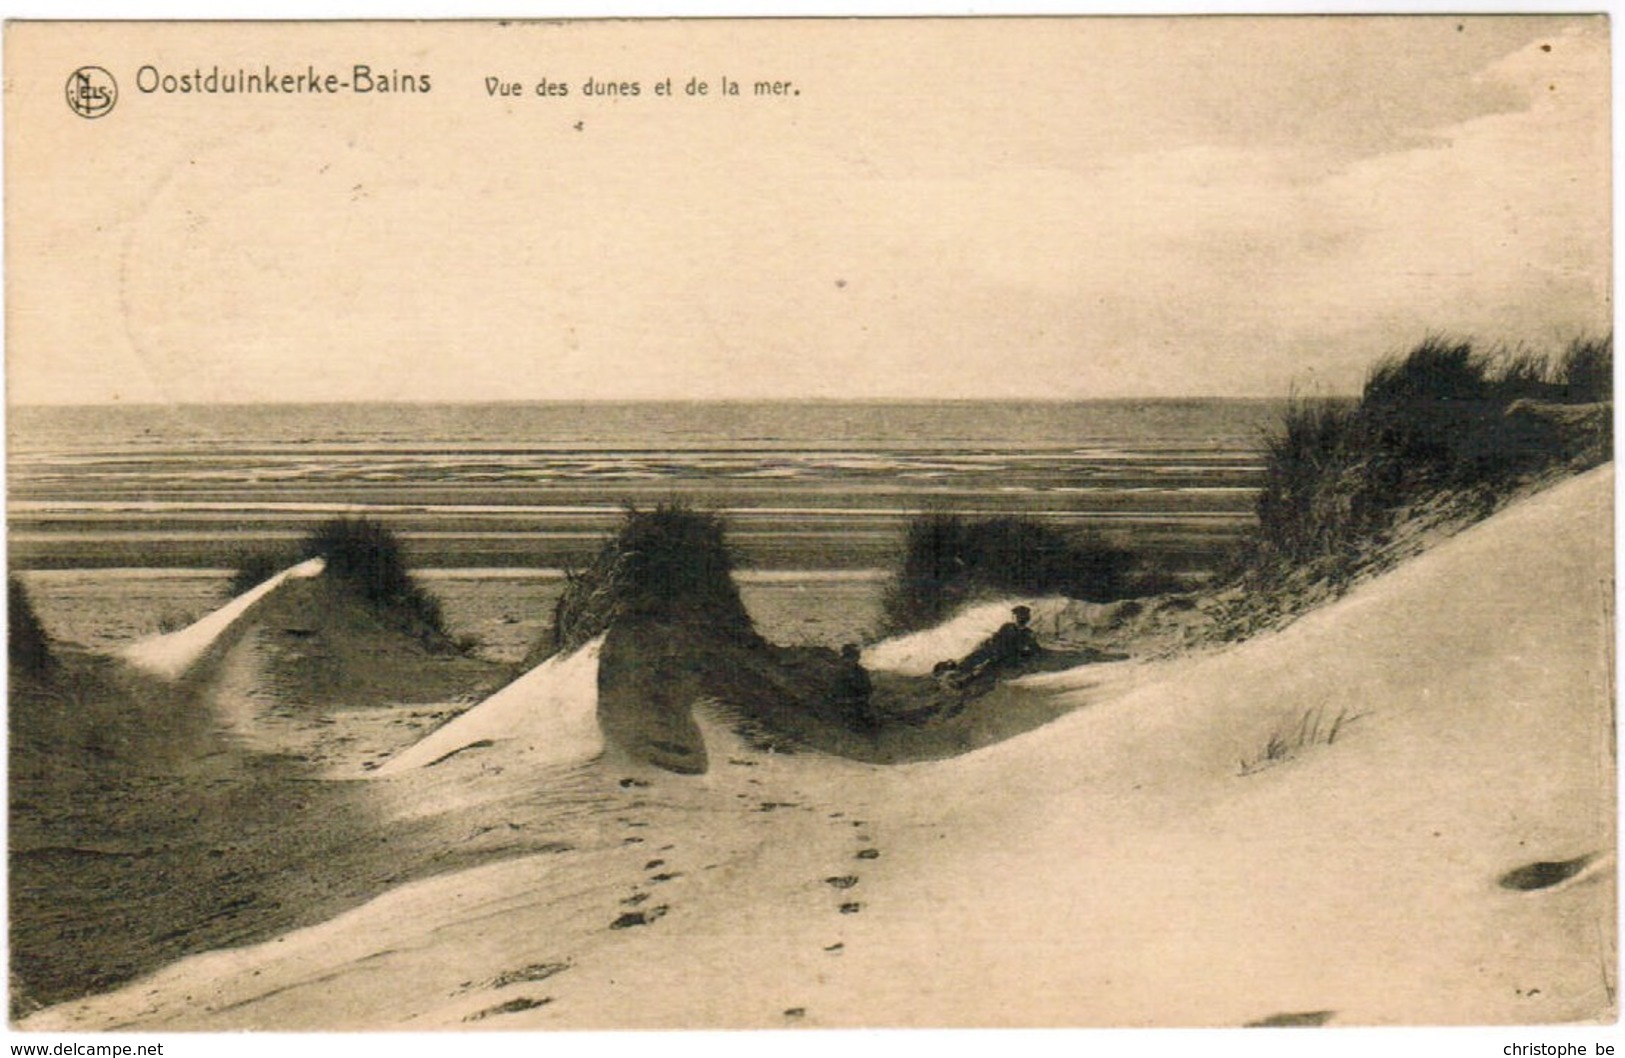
x,y
805,487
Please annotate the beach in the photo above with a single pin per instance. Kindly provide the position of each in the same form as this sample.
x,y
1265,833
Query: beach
x,y
1157,864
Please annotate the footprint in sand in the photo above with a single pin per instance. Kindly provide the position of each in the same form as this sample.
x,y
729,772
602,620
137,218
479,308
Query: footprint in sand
x,y
844,881
539,971
1543,874
512,1006
639,918
1297,1019
868,854
851,908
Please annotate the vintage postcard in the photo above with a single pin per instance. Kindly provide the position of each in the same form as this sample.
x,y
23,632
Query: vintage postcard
x,y
816,523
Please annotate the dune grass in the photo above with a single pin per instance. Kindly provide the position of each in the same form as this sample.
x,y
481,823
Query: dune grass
x,y
671,562
28,646
949,559
1586,371
367,560
1442,417
1313,728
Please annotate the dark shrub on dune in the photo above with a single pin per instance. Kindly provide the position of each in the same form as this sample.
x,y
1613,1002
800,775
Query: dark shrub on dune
x,y
1586,371
949,559
366,560
28,648
669,563
1442,418
1441,414
1304,459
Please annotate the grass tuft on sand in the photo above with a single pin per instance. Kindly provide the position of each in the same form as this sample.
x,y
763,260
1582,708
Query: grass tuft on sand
x,y
1313,728
671,562
1443,418
368,561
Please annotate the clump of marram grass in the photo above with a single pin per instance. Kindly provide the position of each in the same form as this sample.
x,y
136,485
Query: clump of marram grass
x,y
1442,417
1586,371
1311,729
28,646
669,563
368,558
367,561
949,559
1301,511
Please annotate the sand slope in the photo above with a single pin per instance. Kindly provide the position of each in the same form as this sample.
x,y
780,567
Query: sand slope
x,y
1139,861
549,714
170,655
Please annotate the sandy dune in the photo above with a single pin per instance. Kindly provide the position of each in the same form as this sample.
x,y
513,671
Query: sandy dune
x,y
170,655
1167,854
549,715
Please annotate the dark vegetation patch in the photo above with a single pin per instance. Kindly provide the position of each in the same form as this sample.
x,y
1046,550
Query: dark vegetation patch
x,y
1439,439
669,563
949,560
28,647
368,562
1443,418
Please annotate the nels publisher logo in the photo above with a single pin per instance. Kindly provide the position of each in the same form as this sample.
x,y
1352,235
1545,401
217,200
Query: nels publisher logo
x,y
91,91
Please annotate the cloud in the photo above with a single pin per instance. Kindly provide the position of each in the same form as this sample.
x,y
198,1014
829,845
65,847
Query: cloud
x,y
1049,214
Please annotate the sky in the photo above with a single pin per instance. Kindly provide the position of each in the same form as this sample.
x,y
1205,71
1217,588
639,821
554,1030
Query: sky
x,y
1010,208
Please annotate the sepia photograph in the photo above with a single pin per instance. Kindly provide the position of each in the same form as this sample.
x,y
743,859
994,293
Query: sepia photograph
x,y
1066,522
